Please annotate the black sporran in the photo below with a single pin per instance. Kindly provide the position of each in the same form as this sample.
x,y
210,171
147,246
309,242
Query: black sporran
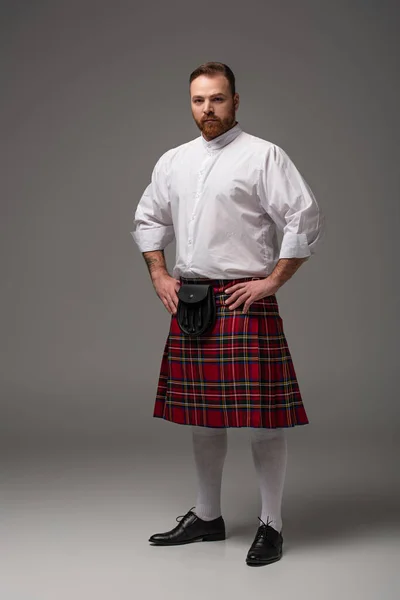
x,y
196,312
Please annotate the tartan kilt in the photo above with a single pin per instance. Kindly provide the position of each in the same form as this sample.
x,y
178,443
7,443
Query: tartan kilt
x,y
238,374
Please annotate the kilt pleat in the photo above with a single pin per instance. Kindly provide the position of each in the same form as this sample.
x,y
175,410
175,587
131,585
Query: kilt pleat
x,y
239,374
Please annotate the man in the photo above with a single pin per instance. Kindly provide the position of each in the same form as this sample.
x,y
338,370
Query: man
x,y
223,196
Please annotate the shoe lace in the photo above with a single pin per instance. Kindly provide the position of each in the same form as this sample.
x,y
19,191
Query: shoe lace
x,y
181,516
265,524
262,531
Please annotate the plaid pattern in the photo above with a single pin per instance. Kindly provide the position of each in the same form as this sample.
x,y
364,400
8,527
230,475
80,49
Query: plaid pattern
x,y
239,374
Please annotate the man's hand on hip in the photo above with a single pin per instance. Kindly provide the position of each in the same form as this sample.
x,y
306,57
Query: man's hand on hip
x,y
250,291
167,288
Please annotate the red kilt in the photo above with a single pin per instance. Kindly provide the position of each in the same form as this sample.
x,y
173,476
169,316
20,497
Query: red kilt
x,y
238,374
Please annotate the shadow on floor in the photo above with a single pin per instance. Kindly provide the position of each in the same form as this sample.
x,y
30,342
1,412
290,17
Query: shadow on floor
x,y
331,517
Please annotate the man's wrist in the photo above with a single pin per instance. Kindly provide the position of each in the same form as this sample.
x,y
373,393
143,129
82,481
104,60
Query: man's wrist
x,y
274,282
157,273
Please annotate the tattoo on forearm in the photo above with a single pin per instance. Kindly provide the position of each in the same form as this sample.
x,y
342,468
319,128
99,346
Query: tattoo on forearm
x,y
155,261
151,262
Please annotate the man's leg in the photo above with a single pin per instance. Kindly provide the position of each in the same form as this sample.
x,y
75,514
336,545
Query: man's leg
x,y
269,450
210,447
205,523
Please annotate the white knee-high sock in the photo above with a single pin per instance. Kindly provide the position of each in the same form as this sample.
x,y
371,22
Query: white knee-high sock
x,y
210,447
269,451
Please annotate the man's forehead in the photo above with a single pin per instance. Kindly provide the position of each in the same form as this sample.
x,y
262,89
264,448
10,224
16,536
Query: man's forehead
x,y
208,86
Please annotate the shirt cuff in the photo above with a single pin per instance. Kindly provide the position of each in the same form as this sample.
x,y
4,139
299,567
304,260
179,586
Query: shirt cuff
x,y
294,245
153,239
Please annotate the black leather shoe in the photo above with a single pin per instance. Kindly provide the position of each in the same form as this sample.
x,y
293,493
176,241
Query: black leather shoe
x,y
266,547
191,529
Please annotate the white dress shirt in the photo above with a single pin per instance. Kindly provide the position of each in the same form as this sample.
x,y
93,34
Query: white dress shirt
x,y
222,201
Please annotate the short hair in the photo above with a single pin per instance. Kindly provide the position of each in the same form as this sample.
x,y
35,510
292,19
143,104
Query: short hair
x,y
215,68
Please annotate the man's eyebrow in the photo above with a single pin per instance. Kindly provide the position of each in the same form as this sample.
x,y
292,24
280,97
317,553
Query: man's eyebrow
x,y
212,95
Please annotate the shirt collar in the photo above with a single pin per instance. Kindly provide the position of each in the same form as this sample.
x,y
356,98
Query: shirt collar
x,y
223,139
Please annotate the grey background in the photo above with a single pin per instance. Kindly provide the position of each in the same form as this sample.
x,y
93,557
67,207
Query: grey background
x,y
92,94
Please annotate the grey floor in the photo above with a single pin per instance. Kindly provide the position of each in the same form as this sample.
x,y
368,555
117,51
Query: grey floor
x,y
76,521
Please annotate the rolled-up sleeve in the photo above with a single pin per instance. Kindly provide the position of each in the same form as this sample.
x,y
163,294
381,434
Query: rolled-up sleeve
x,y
289,201
153,227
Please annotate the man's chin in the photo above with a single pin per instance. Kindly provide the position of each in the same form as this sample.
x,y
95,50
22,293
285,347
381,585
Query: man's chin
x,y
212,126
